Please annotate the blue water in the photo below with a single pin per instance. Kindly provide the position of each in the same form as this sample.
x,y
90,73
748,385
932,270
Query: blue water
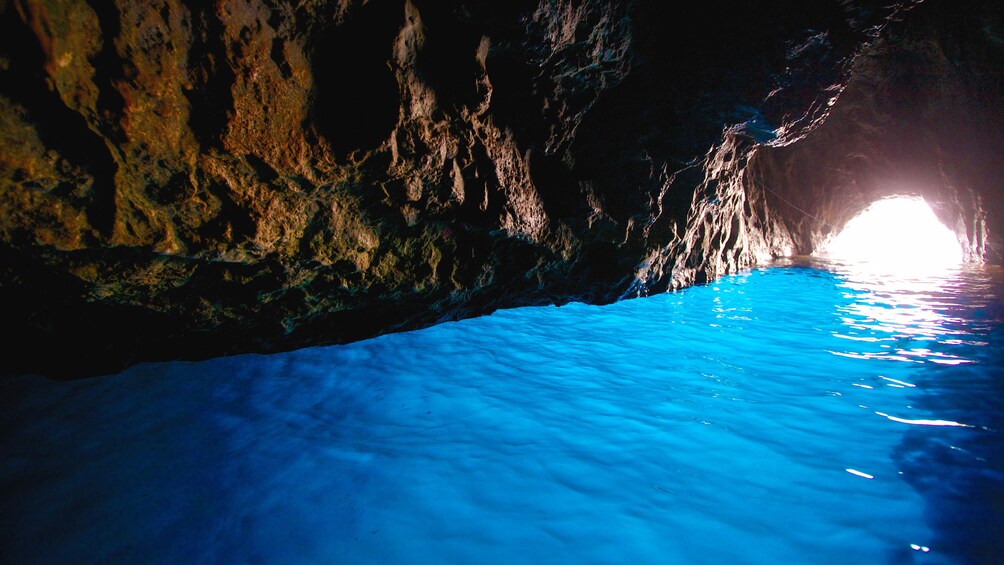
x,y
798,415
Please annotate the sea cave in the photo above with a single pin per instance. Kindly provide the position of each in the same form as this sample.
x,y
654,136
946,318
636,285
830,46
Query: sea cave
x,y
458,281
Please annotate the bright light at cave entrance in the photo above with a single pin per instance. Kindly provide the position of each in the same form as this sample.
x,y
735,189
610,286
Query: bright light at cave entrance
x,y
900,232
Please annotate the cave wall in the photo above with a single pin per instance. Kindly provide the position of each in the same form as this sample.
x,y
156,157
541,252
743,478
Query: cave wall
x,y
920,115
186,179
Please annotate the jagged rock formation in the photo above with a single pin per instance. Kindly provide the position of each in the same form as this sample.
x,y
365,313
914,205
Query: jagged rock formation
x,y
184,179
920,115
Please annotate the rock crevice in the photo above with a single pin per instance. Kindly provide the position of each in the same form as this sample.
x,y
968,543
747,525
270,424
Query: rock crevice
x,y
186,179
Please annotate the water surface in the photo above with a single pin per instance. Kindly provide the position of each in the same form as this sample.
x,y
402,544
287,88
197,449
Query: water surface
x,y
789,414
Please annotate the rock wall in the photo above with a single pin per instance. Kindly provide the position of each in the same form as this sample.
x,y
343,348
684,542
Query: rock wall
x,y
183,178
920,115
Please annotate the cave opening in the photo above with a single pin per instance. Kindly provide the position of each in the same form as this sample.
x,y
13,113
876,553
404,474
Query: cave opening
x,y
895,233
362,359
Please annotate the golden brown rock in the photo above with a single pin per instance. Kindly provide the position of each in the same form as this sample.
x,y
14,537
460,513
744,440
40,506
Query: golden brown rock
x,y
181,178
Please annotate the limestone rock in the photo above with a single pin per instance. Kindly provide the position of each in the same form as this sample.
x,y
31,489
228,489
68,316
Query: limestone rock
x,y
183,178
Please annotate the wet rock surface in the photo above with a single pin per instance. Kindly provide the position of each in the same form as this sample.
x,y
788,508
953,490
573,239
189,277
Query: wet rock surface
x,y
185,179
920,115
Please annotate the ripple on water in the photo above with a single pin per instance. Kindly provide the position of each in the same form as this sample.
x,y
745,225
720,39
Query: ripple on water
x,y
790,414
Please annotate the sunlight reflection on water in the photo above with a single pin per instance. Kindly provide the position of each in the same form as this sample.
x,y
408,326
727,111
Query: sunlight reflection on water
x,y
782,415
902,312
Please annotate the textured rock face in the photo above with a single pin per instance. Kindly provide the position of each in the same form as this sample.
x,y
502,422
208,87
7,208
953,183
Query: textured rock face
x,y
920,115
186,178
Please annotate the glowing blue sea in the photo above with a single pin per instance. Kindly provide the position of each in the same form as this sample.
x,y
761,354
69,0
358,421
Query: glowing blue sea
x,y
785,415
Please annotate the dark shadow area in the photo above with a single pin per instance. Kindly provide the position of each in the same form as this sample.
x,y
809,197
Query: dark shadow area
x,y
356,103
65,335
59,127
516,104
109,67
691,77
210,97
448,59
279,58
560,195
